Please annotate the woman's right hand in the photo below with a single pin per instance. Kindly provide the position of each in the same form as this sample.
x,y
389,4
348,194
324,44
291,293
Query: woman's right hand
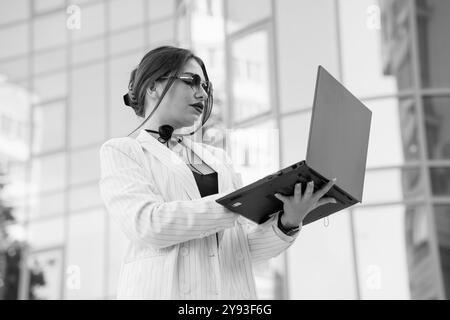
x,y
297,206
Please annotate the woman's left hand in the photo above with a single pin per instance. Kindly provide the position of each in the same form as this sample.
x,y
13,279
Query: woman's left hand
x,y
297,206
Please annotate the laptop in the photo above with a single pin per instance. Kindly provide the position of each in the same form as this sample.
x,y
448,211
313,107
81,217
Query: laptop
x,y
337,147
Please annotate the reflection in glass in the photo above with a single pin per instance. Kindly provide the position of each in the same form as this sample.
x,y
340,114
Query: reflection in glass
x,y
250,76
46,205
396,42
11,11
442,221
46,274
17,38
49,61
87,105
46,233
161,33
254,150
40,6
50,87
88,51
363,70
85,197
419,256
48,173
306,36
122,120
434,44
14,69
160,9
294,131
127,41
242,13
437,126
84,166
394,132
382,252
393,185
440,181
92,22
49,127
85,253
125,13
50,31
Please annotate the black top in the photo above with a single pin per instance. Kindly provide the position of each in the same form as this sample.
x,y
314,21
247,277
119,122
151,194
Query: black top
x,y
207,183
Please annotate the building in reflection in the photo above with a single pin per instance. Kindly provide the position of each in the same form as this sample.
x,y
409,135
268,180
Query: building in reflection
x,y
262,56
416,48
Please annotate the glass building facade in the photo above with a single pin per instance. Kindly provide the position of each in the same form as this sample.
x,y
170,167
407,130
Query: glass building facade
x,y
64,66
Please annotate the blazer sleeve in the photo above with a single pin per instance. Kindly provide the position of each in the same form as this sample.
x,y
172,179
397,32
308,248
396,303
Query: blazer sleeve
x,y
265,240
132,199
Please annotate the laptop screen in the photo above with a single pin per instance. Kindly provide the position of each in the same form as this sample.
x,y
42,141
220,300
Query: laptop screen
x,y
339,135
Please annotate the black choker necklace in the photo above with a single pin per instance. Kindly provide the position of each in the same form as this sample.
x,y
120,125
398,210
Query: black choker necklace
x,y
165,133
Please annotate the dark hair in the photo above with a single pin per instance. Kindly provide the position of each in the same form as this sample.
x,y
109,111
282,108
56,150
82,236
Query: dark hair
x,y
160,62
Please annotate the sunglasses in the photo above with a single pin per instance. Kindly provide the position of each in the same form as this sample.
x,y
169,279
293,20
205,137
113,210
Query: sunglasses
x,y
193,80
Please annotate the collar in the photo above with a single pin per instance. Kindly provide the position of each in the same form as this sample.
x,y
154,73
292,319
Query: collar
x,y
174,163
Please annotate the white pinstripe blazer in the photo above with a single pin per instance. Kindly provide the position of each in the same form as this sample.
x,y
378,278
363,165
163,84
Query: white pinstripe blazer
x,y
173,251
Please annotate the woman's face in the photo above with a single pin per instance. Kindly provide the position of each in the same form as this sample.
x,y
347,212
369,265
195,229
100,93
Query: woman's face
x,y
176,107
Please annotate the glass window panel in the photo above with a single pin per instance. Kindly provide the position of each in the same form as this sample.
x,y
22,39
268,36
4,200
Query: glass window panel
x,y
46,233
365,73
118,245
243,13
84,166
159,9
85,252
47,205
54,25
88,51
127,41
88,2
41,6
434,42
15,69
122,119
17,38
393,133
422,276
254,150
84,198
87,106
393,185
250,76
442,220
50,86
49,61
49,126
124,13
11,11
440,181
437,126
298,59
294,131
48,173
382,256
161,33
323,247
92,22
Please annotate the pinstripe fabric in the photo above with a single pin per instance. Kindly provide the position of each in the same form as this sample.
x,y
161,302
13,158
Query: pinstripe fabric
x,y
173,251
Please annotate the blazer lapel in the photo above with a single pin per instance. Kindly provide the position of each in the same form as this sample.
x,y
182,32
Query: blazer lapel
x,y
172,161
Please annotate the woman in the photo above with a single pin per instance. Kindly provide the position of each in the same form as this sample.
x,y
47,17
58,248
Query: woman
x,y
161,188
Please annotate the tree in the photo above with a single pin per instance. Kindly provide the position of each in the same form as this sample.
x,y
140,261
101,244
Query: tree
x,y
11,255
